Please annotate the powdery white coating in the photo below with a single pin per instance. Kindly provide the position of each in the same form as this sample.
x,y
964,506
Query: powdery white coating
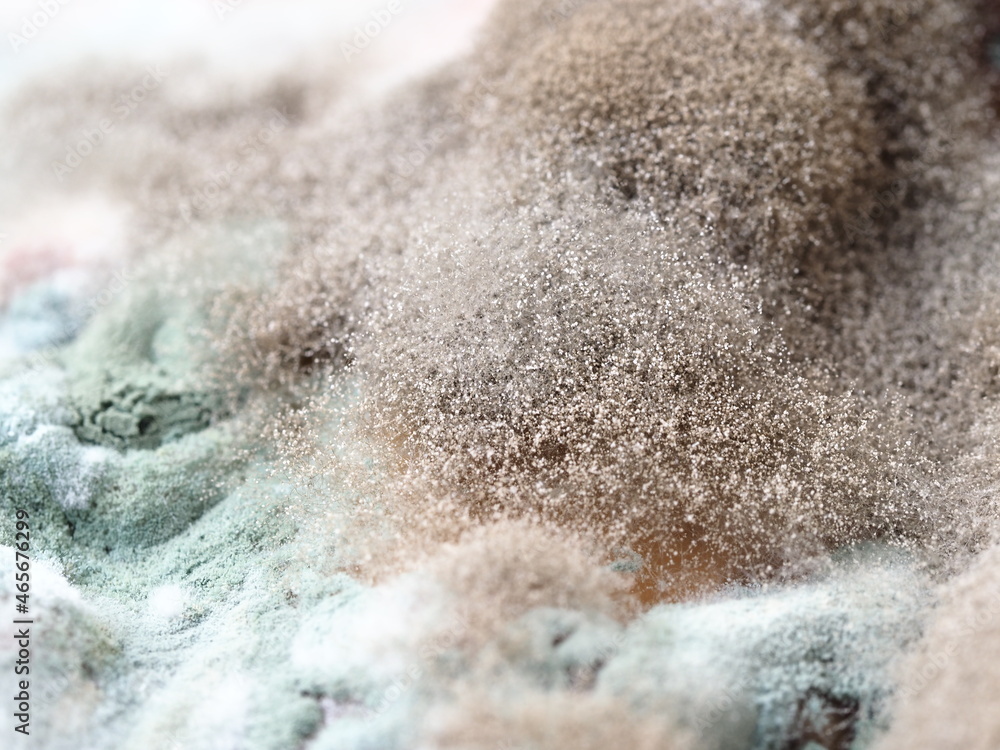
x,y
167,602
47,582
549,722
29,399
750,670
419,661
72,473
462,596
435,657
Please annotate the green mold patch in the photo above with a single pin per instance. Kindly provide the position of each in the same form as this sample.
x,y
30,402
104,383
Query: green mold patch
x,y
144,416
21,487
141,405
155,495
213,660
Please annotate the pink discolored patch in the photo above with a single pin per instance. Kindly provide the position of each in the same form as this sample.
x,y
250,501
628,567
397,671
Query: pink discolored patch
x,y
85,236
26,263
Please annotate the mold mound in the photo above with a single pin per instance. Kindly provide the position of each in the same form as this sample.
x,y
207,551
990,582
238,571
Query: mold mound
x,y
611,376
706,110
144,416
917,62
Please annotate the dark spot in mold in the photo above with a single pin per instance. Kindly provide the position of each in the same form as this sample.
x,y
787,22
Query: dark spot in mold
x,y
824,720
144,417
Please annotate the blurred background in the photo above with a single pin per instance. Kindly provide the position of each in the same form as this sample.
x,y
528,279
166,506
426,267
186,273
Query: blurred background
x,y
240,37
60,234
